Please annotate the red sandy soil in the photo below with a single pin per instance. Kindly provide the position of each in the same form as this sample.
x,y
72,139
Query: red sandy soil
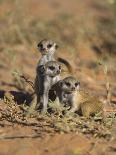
x,y
26,60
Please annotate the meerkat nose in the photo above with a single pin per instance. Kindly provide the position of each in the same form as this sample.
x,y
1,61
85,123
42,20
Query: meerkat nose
x,y
73,88
58,71
44,49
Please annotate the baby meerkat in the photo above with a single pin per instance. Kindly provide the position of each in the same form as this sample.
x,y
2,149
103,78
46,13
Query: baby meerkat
x,y
69,94
50,74
47,49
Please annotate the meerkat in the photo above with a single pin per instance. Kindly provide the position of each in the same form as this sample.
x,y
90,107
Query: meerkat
x,y
69,93
50,74
47,49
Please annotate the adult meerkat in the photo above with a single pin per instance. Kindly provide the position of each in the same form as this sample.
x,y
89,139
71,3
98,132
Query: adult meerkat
x,y
69,93
47,49
45,78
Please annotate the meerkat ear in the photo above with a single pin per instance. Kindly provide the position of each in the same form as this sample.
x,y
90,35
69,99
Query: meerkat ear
x,y
56,46
77,85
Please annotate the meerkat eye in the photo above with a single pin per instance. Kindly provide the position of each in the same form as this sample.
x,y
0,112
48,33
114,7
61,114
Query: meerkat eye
x,y
59,67
51,67
77,83
40,45
67,84
49,45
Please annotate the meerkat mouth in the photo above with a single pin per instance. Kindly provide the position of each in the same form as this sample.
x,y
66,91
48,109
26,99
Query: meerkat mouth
x,y
69,92
53,75
44,52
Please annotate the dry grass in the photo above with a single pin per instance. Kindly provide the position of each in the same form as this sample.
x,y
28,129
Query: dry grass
x,y
57,120
99,36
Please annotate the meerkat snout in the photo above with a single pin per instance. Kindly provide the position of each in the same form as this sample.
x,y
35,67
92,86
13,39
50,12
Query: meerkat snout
x,y
73,88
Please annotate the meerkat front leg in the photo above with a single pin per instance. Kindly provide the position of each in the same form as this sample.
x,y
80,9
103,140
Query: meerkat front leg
x,y
75,104
74,107
41,89
43,99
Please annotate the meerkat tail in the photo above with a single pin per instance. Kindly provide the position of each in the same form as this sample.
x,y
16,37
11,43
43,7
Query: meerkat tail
x,y
68,65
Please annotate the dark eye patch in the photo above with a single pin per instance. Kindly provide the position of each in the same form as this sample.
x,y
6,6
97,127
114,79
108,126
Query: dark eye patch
x,y
77,83
59,67
40,45
67,84
49,45
51,67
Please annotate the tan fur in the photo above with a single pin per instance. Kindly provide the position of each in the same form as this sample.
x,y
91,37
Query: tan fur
x,y
89,104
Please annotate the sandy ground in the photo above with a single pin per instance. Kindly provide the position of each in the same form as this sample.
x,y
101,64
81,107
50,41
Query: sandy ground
x,y
20,139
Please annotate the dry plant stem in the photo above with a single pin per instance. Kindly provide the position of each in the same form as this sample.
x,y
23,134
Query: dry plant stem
x,y
107,84
108,89
27,81
20,136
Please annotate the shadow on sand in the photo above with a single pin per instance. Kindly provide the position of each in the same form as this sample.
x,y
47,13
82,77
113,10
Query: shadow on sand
x,y
19,97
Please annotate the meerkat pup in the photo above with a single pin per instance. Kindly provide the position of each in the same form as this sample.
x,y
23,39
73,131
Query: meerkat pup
x,y
69,93
48,49
49,75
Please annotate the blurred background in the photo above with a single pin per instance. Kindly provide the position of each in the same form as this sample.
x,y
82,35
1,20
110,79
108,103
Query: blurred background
x,y
84,30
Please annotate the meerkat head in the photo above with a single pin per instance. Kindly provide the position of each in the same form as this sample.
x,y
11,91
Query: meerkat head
x,y
70,84
47,47
52,68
